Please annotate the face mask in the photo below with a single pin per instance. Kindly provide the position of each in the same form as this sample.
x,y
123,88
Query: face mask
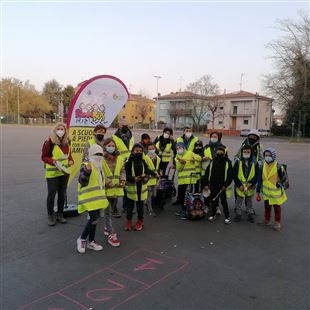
x,y
252,141
180,151
151,152
188,134
137,155
220,154
110,149
166,136
268,159
214,140
246,156
60,133
100,137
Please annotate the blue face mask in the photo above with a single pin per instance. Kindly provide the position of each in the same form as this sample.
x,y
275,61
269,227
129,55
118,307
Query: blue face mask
x,y
151,152
214,140
110,149
268,159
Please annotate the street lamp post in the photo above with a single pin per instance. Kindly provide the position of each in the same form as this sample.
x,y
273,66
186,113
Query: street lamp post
x,y
18,107
157,77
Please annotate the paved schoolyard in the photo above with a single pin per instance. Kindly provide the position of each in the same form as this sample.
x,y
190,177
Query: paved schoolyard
x,y
172,264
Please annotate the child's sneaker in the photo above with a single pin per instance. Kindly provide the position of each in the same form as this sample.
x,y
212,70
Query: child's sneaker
x,y
264,223
212,218
218,211
183,215
227,221
277,226
105,231
112,240
128,226
81,245
139,225
94,246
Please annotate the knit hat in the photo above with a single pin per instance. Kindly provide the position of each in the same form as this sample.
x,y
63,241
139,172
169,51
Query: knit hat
x,y
254,132
136,145
272,151
220,147
95,149
180,144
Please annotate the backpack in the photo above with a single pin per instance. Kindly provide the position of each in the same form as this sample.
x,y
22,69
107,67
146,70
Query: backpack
x,y
285,180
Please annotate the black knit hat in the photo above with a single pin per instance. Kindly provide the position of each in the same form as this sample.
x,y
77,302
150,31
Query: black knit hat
x,y
221,147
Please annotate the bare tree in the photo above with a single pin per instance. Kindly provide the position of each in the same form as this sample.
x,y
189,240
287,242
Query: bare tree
x,y
205,100
289,84
175,112
143,110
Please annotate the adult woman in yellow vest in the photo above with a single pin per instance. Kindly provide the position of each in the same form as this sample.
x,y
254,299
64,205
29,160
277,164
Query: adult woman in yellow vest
x,y
57,158
188,139
137,176
91,198
165,148
153,162
246,172
98,138
114,173
270,184
185,165
217,179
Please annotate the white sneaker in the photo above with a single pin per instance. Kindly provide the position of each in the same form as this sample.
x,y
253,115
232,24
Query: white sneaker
x,y
112,240
105,231
212,218
81,245
218,211
94,246
227,221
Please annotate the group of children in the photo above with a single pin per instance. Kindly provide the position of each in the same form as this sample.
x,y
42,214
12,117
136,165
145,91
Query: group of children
x,y
118,167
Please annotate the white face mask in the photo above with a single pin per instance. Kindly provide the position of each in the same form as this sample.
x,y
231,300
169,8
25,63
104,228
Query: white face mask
x,y
246,156
166,135
214,140
60,133
151,152
268,159
188,134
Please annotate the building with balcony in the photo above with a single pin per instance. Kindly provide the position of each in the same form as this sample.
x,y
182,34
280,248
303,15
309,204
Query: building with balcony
x,y
235,111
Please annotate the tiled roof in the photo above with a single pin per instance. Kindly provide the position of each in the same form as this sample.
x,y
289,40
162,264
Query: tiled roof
x,y
181,95
241,94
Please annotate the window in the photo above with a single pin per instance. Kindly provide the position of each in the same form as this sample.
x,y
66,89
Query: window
x,y
220,122
245,122
124,116
162,106
235,111
136,117
221,108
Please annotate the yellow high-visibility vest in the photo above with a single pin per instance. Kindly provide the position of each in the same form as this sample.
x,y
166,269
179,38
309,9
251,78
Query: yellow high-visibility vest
x,y
166,153
92,197
117,190
228,189
185,171
250,192
150,164
122,148
191,145
274,195
131,188
57,154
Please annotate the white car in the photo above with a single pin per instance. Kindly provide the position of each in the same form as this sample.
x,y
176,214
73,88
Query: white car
x,y
265,132
244,132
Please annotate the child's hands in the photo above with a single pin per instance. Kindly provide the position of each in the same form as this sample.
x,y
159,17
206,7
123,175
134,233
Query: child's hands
x,y
241,188
258,197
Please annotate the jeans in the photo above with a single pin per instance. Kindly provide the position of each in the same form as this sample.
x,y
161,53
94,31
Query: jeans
x,y
90,228
108,215
56,185
248,204
151,193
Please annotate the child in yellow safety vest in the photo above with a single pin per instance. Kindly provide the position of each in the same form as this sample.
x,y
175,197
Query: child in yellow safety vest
x,y
246,172
217,179
270,184
91,197
137,176
153,162
114,173
185,165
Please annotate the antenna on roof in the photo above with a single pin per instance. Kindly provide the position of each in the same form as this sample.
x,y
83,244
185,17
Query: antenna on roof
x,y
242,74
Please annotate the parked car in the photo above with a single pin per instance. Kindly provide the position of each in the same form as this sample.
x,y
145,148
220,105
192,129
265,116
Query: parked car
x,y
244,132
265,132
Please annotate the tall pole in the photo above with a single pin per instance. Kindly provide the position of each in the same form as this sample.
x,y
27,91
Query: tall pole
x,y
242,74
7,107
157,77
18,107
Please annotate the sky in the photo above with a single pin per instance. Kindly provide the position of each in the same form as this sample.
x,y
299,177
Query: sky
x,y
134,41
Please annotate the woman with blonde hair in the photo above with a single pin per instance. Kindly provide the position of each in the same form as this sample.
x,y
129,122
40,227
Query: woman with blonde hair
x,y
57,158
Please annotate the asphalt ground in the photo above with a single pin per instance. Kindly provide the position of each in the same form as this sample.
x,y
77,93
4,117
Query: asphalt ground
x,y
171,264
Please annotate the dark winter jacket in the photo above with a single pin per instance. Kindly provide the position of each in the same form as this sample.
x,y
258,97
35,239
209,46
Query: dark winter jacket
x,y
246,168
